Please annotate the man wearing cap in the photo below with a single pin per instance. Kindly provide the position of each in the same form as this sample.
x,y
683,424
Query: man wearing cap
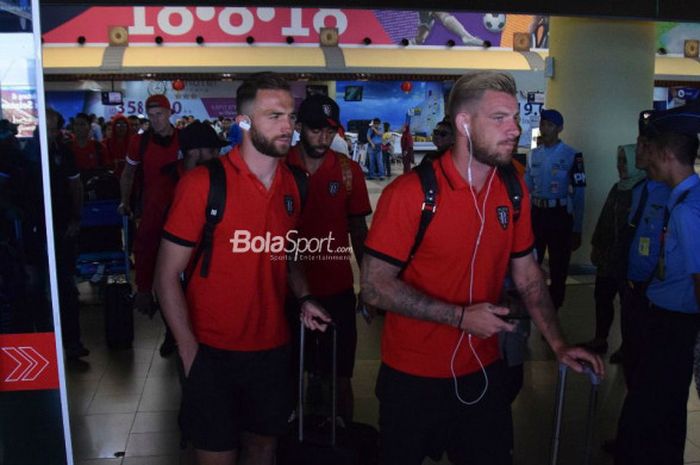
x,y
645,222
152,151
337,205
556,180
652,427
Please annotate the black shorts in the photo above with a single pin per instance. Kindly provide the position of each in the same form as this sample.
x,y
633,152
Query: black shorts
x,y
228,392
319,346
422,417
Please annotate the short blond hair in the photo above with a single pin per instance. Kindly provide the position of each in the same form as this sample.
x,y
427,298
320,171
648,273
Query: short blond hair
x,y
471,87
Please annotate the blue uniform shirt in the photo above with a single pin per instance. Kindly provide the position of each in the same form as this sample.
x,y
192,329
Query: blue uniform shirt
x,y
676,291
646,243
556,173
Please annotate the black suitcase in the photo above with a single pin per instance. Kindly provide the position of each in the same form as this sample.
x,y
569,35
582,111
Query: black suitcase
x,y
317,441
559,412
101,185
119,317
119,314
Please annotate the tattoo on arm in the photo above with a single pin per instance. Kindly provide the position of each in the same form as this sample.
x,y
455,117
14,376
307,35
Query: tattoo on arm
x,y
382,288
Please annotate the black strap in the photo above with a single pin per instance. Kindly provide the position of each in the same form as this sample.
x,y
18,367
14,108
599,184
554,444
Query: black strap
x,y
667,211
302,180
98,154
660,270
640,208
428,183
216,203
510,178
143,143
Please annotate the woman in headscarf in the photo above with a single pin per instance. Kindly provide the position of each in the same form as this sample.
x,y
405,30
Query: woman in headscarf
x,y
610,247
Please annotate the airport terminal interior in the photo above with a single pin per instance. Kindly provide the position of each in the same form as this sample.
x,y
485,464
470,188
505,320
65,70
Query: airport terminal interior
x,y
127,402
120,407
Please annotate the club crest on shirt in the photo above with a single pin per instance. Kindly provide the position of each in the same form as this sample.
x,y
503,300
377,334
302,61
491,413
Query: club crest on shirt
x,y
502,213
333,188
289,204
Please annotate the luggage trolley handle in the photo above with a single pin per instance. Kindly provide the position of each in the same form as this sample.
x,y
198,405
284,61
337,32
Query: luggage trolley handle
x,y
595,381
302,333
125,235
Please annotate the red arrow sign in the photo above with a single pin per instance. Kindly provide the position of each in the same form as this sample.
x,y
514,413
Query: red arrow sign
x,y
28,362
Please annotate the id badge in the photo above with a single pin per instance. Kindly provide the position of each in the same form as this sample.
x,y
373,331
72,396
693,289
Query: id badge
x,y
644,245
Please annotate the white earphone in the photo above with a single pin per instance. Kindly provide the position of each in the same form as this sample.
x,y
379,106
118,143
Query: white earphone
x,y
466,130
245,124
469,139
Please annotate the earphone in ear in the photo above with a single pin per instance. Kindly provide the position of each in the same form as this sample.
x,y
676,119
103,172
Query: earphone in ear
x,y
245,124
466,130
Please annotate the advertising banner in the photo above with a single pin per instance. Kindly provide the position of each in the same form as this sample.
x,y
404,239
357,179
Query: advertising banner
x,y
182,25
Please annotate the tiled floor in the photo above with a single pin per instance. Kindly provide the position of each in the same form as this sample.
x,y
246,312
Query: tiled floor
x,y
124,405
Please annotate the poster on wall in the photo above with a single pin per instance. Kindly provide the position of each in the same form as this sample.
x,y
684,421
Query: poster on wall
x,y
17,82
393,101
272,26
201,99
205,100
20,108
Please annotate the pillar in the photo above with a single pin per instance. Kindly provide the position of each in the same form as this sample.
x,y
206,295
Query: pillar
x,y
603,77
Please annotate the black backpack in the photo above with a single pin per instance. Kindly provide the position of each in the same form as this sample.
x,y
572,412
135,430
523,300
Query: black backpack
x,y
428,182
216,205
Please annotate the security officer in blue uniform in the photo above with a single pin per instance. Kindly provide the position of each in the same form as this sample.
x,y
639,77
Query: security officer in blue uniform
x,y
645,223
556,180
652,427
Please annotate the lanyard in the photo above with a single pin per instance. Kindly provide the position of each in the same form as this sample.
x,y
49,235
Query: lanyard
x,y
661,265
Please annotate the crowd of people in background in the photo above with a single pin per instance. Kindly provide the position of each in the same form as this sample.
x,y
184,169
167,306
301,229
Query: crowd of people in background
x,y
413,262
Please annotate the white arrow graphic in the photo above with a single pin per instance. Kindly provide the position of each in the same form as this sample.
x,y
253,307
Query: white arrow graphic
x,y
34,361
40,364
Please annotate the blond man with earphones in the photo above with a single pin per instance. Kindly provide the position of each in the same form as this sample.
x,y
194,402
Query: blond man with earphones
x,y
440,386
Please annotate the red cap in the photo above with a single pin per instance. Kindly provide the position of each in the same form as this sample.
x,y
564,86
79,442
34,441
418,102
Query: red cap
x,y
158,101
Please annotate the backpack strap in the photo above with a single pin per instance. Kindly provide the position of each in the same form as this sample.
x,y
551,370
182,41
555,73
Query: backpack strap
x,y
98,153
302,181
346,171
143,144
216,203
428,183
510,178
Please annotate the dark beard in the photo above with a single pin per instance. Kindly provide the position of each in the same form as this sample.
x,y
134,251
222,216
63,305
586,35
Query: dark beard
x,y
310,150
266,146
491,159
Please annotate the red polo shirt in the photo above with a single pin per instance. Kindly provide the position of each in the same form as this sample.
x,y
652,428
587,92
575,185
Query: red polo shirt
x,y
240,305
441,266
325,215
157,187
158,191
90,157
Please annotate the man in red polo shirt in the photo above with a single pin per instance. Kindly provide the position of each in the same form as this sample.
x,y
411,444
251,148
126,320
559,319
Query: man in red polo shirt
x,y
337,205
230,326
90,154
440,386
161,148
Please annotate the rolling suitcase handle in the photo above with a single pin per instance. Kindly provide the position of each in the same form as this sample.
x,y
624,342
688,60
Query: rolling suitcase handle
x,y
302,332
559,411
125,235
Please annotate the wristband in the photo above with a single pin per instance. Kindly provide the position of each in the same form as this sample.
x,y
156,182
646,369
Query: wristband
x,y
305,298
461,317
